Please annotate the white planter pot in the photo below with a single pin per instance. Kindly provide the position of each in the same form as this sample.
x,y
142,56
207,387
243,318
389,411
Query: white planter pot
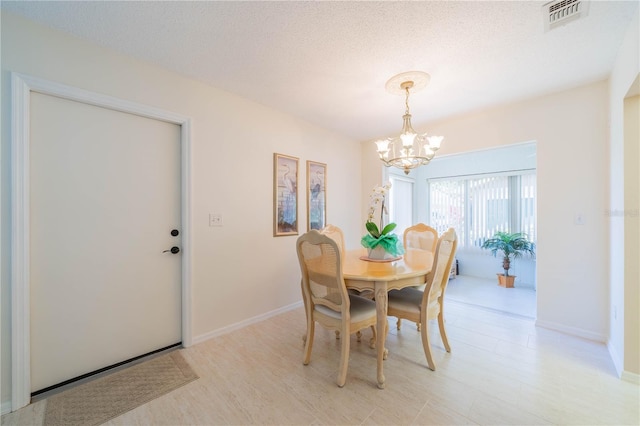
x,y
379,253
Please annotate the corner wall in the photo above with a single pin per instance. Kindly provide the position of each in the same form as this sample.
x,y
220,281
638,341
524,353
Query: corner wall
x,y
624,81
571,130
632,235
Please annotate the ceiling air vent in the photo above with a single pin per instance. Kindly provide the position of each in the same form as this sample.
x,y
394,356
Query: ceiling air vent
x,y
560,12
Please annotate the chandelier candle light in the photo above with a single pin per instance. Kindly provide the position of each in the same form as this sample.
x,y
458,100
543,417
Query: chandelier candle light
x,y
410,149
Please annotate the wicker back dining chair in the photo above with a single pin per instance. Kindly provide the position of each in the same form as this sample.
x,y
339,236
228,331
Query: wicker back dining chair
x,y
421,237
326,299
335,234
421,306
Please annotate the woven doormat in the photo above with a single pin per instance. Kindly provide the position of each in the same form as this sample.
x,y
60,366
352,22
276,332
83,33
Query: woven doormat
x,y
102,399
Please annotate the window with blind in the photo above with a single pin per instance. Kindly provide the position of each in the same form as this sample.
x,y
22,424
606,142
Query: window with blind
x,y
447,206
478,207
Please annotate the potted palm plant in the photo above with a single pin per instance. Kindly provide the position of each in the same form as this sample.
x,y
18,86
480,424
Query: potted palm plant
x,y
512,246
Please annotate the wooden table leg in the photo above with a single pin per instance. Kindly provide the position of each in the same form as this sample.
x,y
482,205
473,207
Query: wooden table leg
x,y
381,332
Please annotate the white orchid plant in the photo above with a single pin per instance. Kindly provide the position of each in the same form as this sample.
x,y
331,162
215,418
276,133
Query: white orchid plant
x,y
381,235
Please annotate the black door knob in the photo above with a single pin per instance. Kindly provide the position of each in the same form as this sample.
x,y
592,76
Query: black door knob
x,y
174,250
175,232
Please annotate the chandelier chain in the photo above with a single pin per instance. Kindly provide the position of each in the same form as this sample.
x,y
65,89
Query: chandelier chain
x,y
406,101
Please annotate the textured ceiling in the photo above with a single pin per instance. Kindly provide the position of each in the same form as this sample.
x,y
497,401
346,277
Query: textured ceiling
x,y
327,62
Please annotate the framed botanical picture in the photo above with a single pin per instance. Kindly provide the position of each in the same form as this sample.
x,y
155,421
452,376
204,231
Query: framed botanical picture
x,y
316,195
285,195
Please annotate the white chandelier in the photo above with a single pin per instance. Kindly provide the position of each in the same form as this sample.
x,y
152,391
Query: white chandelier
x,y
410,149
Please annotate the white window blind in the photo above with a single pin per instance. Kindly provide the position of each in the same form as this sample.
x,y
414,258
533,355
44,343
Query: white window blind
x,y
447,206
488,201
478,207
528,205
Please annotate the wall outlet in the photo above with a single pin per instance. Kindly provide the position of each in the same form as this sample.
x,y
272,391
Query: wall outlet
x,y
578,219
215,219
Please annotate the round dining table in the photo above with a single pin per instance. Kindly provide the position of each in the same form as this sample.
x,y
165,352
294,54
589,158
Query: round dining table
x,y
364,274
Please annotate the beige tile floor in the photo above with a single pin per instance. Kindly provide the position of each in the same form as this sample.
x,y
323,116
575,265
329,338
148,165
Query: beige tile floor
x,y
502,370
488,294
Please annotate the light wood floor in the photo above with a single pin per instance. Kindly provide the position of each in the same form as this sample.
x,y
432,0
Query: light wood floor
x,y
486,293
502,370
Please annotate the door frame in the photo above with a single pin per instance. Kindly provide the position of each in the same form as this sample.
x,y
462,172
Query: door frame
x,y
21,87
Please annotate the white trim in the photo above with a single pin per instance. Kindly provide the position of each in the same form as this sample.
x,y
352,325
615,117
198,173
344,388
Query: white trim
x,y
627,376
22,86
573,331
508,173
20,312
185,167
634,378
245,323
615,358
489,148
5,408
402,177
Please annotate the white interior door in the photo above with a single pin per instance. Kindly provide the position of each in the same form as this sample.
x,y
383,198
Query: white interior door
x,y
105,196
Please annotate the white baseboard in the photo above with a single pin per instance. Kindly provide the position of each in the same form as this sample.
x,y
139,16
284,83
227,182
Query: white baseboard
x,y
617,360
573,331
5,407
630,377
242,324
627,376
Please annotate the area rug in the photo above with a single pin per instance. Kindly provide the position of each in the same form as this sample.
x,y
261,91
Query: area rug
x,y
107,397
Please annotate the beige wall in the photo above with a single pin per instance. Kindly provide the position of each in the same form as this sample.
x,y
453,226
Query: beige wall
x,y
624,82
632,233
571,133
233,144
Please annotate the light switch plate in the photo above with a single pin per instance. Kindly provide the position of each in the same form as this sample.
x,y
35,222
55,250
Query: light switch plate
x,y
215,219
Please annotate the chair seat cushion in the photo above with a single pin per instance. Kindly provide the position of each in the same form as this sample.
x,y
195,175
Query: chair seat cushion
x,y
408,299
361,309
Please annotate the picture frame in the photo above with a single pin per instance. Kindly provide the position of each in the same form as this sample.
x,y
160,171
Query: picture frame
x,y
285,195
316,195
